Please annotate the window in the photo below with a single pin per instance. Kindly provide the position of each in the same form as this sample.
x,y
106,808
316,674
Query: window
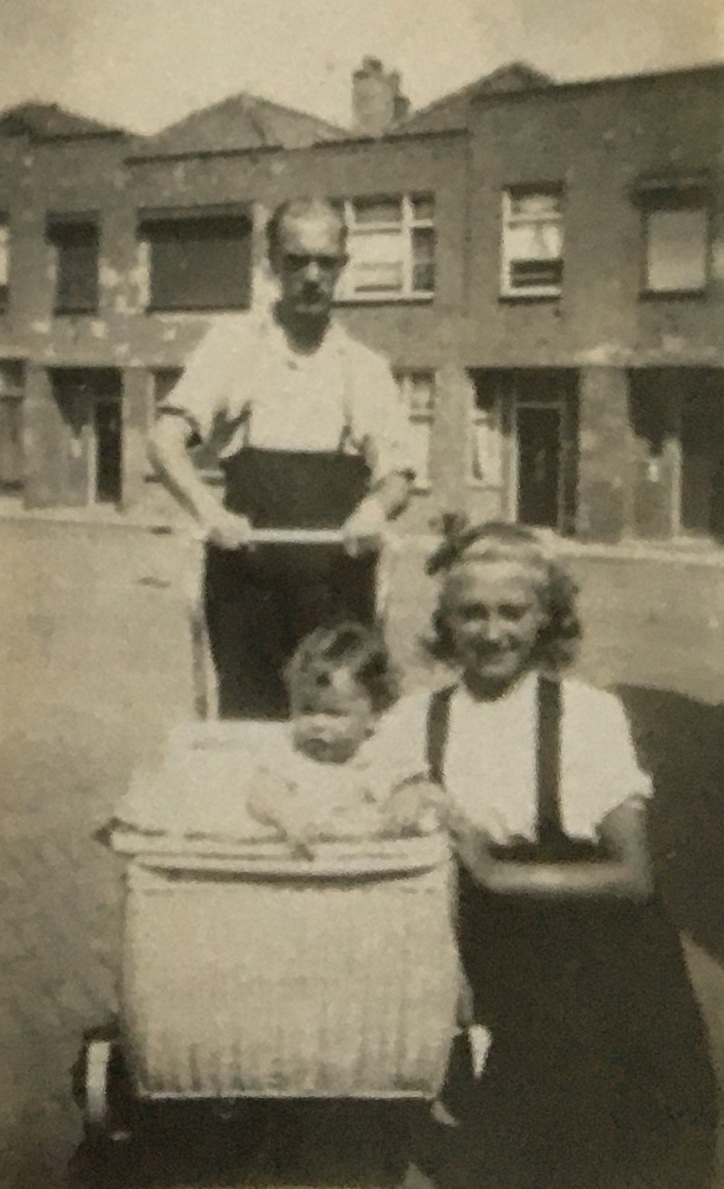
x,y
486,436
198,259
417,389
392,249
676,239
532,241
76,242
4,263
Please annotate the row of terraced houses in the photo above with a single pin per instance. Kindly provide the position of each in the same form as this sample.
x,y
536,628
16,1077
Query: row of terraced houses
x,y
543,264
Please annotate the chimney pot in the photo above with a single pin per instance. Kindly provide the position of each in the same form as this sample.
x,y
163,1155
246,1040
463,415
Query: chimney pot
x,y
377,102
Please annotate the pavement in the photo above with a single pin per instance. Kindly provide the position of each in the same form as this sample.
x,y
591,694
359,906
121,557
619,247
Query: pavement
x,y
96,665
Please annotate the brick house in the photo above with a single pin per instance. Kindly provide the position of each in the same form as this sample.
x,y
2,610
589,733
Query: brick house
x,y
543,264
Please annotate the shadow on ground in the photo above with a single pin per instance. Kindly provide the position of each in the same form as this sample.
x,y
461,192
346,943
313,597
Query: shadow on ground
x,y
680,741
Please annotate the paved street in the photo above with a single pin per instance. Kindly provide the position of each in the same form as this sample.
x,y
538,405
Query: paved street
x,y
96,664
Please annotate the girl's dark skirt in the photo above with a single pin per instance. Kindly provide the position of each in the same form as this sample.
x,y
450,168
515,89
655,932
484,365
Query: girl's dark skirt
x,y
599,1075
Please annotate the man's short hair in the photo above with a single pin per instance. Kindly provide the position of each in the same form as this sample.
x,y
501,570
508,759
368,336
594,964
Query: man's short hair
x,y
299,208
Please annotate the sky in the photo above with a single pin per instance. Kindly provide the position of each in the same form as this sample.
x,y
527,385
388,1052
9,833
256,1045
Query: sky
x,y
145,63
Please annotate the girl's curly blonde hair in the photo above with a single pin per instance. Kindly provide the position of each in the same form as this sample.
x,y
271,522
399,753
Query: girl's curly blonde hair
x,y
560,633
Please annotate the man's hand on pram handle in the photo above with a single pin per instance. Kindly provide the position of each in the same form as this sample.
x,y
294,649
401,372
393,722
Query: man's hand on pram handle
x,y
226,529
364,530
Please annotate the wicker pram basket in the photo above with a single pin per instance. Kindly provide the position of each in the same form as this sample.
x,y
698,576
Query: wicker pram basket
x,y
249,972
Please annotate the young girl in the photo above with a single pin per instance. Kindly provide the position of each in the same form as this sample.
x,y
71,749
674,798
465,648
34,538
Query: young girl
x,y
599,1074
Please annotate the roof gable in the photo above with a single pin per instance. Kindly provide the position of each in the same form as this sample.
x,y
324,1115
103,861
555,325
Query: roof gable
x,y
451,112
49,121
237,124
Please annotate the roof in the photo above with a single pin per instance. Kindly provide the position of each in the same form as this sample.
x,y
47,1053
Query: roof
x,y
451,112
48,121
237,124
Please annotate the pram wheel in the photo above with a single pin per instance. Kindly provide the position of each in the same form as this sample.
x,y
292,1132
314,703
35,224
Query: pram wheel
x,y
103,1092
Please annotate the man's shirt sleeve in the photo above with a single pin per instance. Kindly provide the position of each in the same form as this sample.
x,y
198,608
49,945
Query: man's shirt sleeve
x,y
204,391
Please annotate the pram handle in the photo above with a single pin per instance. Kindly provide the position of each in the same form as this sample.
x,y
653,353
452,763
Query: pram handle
x,y
296,536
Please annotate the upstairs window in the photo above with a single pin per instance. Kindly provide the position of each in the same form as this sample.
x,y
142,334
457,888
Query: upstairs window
x,y
197,259
417,389
676,238
391,248
4,263
532,242
76,241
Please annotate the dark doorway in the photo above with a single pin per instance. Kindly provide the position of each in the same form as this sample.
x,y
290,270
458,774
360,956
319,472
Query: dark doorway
x,y
702,454
108,449
539,432
89,462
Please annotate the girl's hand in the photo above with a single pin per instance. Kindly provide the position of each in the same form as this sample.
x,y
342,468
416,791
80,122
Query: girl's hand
x,y
472,844
413,807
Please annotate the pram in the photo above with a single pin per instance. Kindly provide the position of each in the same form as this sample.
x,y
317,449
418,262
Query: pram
x,y
250,974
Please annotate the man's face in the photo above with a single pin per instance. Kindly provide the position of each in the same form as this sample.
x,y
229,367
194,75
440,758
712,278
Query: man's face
x,y
308,259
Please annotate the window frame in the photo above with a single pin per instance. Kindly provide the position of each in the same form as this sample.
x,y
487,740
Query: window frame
x,y
495,421
230,215
557,190
671,195
404,230
404,378
61,227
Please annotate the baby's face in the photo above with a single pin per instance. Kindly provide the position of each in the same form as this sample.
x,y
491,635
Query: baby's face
x,y
330,722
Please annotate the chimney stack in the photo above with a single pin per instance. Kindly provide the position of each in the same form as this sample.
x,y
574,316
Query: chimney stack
x,y
377,102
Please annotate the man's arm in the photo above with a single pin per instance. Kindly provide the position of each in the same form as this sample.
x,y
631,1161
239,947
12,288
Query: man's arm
x,y
169,451
383,431
393,493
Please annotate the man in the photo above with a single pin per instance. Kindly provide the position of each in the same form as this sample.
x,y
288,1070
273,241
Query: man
x,y
309,430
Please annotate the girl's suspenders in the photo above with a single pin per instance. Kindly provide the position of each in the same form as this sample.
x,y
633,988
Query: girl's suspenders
x,y
549,829
438,719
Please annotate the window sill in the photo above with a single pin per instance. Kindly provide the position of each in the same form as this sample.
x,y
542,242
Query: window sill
x,y
195,310
673,295
386,299
73,312
546,297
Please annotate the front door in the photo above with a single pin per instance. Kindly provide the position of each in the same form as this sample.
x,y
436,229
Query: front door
x,y
538,433
73,442
108,439
702,456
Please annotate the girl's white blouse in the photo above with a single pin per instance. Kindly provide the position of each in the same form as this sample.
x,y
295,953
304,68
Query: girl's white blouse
x,y
490,756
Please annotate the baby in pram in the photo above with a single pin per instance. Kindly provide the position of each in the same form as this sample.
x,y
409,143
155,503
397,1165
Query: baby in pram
x,y
323,783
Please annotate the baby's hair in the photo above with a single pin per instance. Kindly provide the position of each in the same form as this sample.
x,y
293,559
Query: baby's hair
x,y
350,647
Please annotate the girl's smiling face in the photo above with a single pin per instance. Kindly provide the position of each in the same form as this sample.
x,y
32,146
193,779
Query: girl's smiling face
x,y
493,612
330,718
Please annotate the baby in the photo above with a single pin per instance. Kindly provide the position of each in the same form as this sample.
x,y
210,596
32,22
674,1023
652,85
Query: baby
x,y
340,681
